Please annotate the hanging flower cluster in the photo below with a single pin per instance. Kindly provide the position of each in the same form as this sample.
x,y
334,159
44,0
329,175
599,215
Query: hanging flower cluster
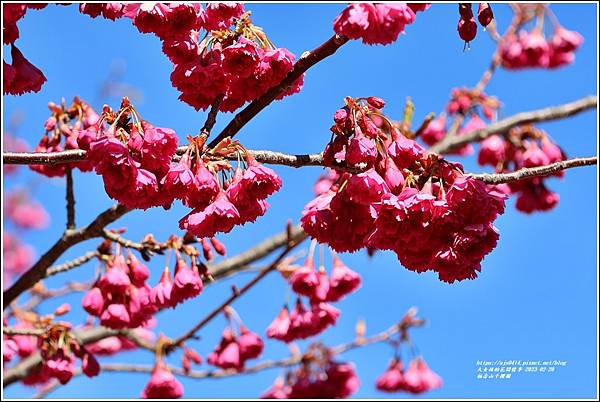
x,y
320,289
524,147
233,60
407,200
235,348
530,49
376,23
221,196
416,379
121,298
20,76
62,131
162,384
317,377
132,156
472,107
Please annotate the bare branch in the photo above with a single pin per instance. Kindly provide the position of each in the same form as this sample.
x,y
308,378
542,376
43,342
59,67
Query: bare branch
x,y
53,158
525,173
306,60
40,269
23,331
74,263
211,119
70,200
503,126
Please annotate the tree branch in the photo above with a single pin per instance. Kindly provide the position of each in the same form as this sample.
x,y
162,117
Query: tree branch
x,y
211,119
70,200
306,60
74,263
40,269
503,126
525,173
54,158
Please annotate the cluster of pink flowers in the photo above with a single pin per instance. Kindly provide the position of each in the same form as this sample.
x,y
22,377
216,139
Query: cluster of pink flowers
x,y
320,289
376,23
467,27
418,378
162,384
318,378
235,60
20,76
526,49
121,298
24,212
470,105
62,131
218,207
526,147
58,350
234,350
531,49
408,200
131,155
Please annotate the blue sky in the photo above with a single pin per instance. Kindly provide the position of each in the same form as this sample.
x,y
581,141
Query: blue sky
x,y
536,296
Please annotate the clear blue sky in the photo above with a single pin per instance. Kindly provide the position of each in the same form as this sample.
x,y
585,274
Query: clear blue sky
x,y
536,296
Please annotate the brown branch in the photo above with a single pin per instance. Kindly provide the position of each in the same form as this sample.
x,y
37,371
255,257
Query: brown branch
x,y
40,269
211,119
10,331
306,60
503,126
74,263
291,243
70,200
54,158
525,173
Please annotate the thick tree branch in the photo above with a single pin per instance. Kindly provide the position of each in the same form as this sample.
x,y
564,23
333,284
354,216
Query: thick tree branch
x,y
503,126
71,237
10,331
306,60
525,173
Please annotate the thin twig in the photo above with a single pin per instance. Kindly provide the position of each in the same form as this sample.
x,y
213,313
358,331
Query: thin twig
x,y
525,173
74,263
